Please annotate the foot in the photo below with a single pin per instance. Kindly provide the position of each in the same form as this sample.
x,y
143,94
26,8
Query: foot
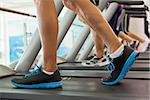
x,y
103,61
143,47
134,45
121,66
95,2
38,79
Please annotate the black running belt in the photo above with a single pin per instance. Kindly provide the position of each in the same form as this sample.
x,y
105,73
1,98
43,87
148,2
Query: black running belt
x,y
135,12
137,15
135,9
79,88
144,56
141,75
79,66
130,2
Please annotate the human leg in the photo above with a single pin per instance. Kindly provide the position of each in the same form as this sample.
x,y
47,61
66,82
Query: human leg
x,y
95,19
122,56
99,58
48,26
98,41
100,53
142,45
125,37
136,37
99,44
48,76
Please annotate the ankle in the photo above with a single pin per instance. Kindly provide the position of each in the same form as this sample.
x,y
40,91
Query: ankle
x,y
50,69
117,52
142,41
115,48
131,42
99,55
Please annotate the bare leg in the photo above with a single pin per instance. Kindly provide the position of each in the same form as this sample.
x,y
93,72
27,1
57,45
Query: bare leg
x,y
96,21
136,37
125,37
122,60
99,44
48,26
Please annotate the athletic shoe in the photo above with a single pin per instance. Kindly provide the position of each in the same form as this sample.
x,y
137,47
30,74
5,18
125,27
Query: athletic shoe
x,y
121,66
143,47
134,45
103,61
38,79
95,2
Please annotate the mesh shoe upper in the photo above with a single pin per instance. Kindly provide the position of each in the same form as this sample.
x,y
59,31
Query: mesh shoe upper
x,y
96,61
119,64
38,77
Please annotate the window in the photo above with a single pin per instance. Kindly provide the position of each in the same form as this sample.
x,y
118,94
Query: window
x,y
17,31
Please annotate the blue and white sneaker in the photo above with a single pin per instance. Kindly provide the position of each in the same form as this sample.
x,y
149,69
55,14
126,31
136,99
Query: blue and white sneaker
x,y
121,66
38,79
103,61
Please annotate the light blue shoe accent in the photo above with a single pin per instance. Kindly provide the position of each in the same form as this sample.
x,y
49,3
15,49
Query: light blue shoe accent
x,y
36,69
49,85
125,69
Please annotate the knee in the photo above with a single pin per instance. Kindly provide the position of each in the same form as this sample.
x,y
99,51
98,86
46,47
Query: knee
x,y
69,3
66,2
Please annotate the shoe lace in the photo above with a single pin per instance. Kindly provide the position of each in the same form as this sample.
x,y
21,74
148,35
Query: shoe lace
x,y
94,60
36,69
91,57
111,66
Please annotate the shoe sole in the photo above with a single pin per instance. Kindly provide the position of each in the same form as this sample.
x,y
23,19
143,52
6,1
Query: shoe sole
x,y
50,85
125,69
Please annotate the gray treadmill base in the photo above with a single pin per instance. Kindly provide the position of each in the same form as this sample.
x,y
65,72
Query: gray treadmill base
x,y
128,2
79,88
143,75
144,56
79,66
6,71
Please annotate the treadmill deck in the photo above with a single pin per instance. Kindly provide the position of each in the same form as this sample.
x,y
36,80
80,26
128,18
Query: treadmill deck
x,y
79,88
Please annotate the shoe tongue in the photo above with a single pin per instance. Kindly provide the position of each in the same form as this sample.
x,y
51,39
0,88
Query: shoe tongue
x,y
38,67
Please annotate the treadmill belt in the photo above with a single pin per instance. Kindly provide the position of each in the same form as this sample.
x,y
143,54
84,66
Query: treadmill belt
x,y
79,88
130,8
141,64
143,75
79,66
128,2
142,61
144,56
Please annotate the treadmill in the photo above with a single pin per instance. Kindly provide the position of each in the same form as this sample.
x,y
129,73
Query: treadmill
x,y
80,82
